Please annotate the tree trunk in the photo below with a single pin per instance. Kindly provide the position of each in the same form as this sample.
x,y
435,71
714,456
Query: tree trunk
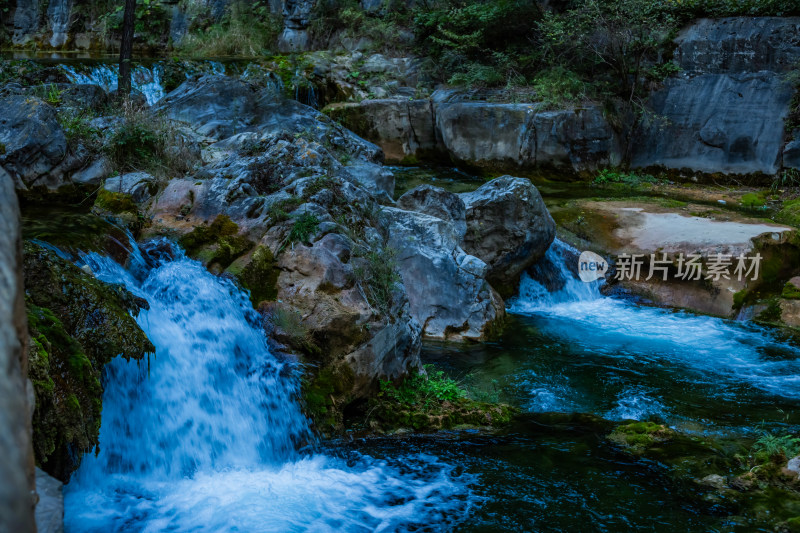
x,y
126,49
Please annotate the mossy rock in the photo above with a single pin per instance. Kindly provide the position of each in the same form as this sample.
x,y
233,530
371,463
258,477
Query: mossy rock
x,y
217,245
258,274
115,202
790,291
77,325
325,392
638,437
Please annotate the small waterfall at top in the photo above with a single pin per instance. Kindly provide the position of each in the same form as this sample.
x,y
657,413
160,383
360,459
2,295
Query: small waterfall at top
x,y
147,80
205,435
58,15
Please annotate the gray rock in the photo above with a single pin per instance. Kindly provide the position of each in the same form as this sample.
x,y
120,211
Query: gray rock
x,y
137,184
794,464
446,293
436,202
714,481
32,140
739,44
725,112
375,179
16,468
403,128
50,508
510,136
730,123
508,227
94,173
791,154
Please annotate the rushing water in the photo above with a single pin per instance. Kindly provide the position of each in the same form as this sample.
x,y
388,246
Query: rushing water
x,y
575,350
208,435
204,436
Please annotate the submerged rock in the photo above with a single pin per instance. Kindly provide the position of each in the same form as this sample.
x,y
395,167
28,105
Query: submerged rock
x,y
508,227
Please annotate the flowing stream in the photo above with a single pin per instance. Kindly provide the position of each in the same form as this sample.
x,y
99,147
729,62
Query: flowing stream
x,y
208,436
204,436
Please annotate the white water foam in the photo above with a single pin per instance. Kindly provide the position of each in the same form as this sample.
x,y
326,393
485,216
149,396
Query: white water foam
x,y
205,436
708,346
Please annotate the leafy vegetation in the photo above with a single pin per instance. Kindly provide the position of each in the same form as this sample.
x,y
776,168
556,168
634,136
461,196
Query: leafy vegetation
x,y
303,228
147,141
247,29
378,276
608,176
423,390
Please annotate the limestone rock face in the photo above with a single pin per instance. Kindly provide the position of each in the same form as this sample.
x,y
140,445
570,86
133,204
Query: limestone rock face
x,y
16,468
508,227
436,202
497,135
403,128
447,290
725,111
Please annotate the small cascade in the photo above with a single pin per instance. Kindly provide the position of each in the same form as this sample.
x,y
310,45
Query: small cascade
x,y
553,280
208,435
146,80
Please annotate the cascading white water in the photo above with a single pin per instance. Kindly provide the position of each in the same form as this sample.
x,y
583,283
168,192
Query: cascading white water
x,y
205,435
147,80
618,330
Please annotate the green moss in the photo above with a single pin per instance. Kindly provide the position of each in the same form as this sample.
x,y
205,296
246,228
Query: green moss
x,y
216,244
77,325
638,437
260,276
790,291
789,213
793,525
115,202
432,401
323,392
753,200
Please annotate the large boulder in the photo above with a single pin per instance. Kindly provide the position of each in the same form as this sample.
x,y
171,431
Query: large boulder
x,y
16,468
403,128
525,136
447,290
436,202
508,227
32,143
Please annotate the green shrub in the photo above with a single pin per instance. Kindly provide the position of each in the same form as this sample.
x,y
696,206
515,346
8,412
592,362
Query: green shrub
x,y
558,87
753,200
147,141
423,390
608,176
378,276
77,128
248,29
304,226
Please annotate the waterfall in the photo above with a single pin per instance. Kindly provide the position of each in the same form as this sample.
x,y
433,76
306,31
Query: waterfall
x,y
58,14
205,435
146,80
553,280
575,312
